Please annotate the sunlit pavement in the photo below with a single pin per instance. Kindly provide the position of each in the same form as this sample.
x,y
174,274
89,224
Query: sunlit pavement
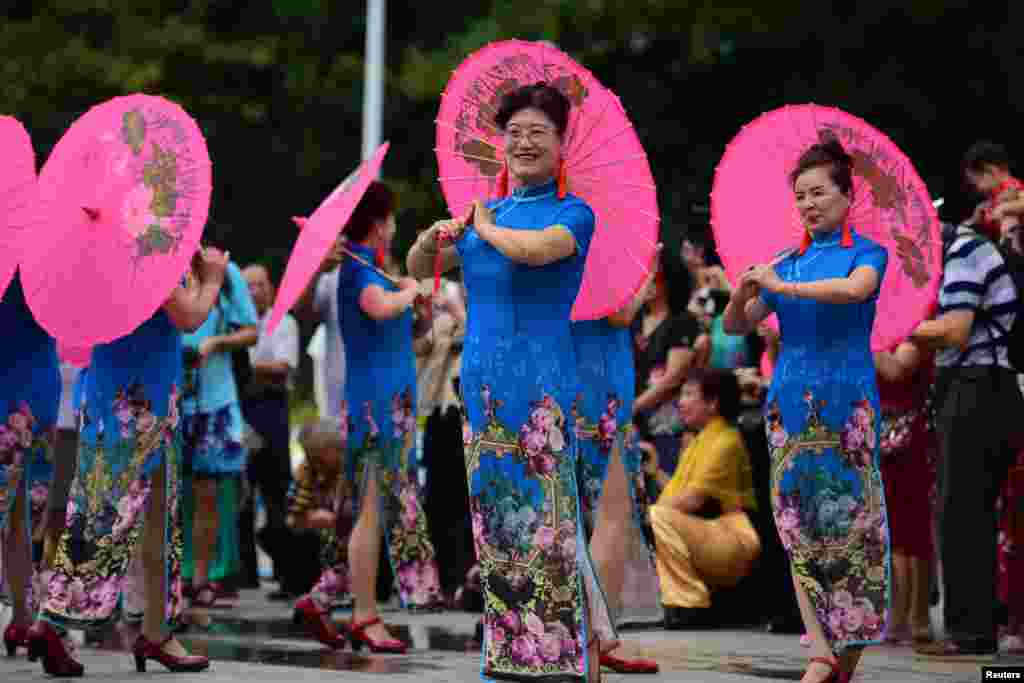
x,y
256,641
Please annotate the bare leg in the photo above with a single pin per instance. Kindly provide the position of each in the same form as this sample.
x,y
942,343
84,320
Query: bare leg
x,y
17,559
899,622
364,553
614,518
816,672
204,528
920,592
154,563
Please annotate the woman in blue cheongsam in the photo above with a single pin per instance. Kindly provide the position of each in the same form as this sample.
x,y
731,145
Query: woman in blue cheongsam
x,y
122,506
522,261
613,500
378,414
30,389
823,415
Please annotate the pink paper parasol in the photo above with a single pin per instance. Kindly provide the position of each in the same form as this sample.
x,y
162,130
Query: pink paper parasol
x,y
79,356
754,215
124,196
320,231
605,163
18,195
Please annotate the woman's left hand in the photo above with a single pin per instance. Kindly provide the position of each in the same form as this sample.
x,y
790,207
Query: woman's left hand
x,y
764,276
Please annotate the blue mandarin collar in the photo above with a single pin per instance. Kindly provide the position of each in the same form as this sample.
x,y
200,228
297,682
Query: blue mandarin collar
x,y
361,250
535,191
830,238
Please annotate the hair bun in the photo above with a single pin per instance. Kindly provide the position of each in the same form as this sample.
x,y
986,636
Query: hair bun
x,y
830,145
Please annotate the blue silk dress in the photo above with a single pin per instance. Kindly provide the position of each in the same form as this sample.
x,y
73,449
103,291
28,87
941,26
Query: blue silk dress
x,y
380,420
603,412
129,431
823,422
519,379
30,384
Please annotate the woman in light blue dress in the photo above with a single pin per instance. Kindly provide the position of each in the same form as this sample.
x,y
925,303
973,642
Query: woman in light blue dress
x,y
522,262
123,503
214,459
30,387
823,415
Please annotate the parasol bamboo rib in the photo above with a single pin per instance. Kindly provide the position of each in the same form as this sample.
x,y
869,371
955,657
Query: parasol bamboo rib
x,y
356,257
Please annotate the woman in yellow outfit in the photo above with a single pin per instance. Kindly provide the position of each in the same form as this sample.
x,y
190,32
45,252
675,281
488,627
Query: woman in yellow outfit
x,y
703,534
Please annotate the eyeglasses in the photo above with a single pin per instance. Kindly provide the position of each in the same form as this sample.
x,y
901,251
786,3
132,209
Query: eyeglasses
x,y
534,134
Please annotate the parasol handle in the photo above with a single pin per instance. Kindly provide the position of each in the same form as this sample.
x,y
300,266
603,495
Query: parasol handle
x,y
445,240
356,257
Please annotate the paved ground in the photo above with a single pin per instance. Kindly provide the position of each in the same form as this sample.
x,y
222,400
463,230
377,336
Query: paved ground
x,y
257,642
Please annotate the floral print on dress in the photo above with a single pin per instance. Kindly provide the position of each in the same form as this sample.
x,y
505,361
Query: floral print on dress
x,y
20,446
26,456
524,510
402,518
106,507
213,441
829,509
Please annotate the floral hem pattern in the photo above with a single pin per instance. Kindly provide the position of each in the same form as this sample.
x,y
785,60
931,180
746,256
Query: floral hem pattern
x,y
26,465
106,511
388,456
534,597
829,506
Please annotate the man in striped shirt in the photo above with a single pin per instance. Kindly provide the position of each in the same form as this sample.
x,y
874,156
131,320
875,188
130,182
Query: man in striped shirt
x,y
978,403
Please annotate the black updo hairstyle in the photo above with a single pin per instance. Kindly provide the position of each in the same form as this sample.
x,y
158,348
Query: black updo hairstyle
x,y
829,153
377,204
542,96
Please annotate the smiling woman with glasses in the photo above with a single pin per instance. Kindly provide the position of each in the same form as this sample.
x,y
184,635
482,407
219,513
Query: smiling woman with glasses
x,y
522,257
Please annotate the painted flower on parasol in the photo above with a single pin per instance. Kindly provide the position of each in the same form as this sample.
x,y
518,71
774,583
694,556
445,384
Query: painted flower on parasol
x,y
18,196
319,232
604,162
755,219
124,198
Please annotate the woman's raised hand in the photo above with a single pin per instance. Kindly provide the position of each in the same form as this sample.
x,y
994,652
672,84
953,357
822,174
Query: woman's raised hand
x,y
211,264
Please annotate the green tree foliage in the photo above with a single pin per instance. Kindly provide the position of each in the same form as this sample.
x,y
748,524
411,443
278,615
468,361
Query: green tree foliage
x,y
277,86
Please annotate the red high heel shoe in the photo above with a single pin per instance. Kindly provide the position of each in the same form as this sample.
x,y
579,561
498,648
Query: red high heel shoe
x,y
317,624
628,666
144,649
357,632
44,642
15,637
836,676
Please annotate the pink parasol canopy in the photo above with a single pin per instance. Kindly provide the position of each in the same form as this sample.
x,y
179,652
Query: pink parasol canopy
x,y
754,215
605,164
18,195
124,197
319,232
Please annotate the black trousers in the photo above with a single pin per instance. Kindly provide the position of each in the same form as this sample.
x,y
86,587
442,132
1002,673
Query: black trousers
x,y
978,412
446,498
295,556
